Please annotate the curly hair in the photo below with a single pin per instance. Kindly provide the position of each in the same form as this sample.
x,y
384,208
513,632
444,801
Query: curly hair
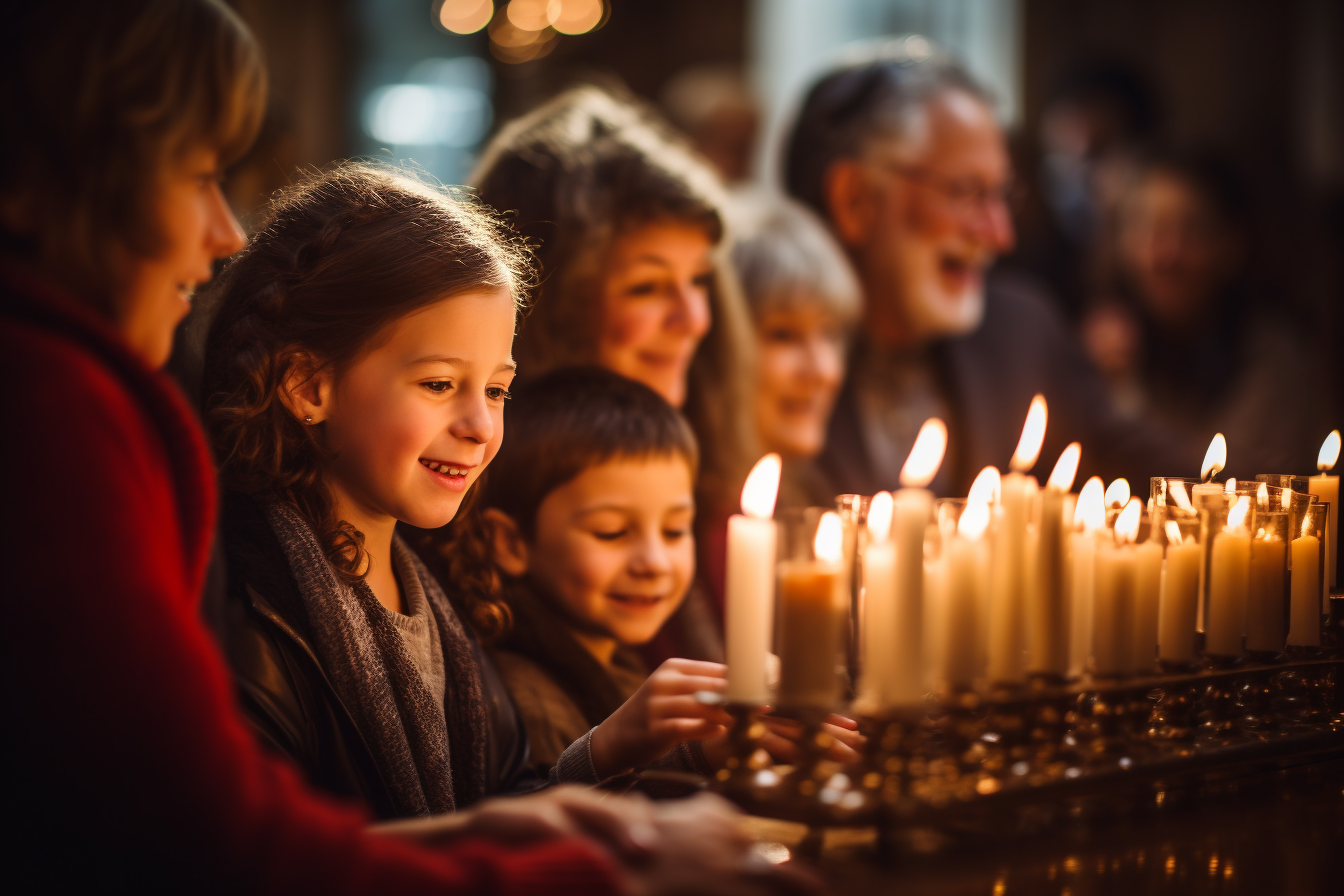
x,y
340,256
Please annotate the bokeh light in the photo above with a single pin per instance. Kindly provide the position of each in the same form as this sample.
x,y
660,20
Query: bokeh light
x,y
466,16
512,44
575,16
532,15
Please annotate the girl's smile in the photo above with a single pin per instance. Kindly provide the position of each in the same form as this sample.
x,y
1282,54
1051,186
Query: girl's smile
x,y
452,475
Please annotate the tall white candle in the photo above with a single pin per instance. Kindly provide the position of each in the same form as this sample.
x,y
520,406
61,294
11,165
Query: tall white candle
x,y
1147,590
964,580
1266,608
1229,584
1304,628
1007,636
1326,488
750,585
1047,607
1090,516
913,505
1180,593
1113,600
881,668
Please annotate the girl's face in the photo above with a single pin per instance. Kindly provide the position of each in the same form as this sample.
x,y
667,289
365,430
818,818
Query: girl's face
x,y
416,419
655,305
801,364
614,546
196,227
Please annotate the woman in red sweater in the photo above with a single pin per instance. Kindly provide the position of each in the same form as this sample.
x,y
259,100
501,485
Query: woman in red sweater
x,y
127,764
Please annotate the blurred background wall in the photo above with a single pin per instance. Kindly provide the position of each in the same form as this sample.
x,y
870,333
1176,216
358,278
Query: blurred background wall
x,y
1256,82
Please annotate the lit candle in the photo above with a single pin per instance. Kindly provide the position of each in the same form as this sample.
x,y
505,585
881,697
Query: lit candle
x,y
1326,488
1117,496
1229,584
1180,594
1047,610
881,669
750,585
963,584
1304,626
1113,600
1269,571
1147,596
812,607
1215,459
1007,635
1089,515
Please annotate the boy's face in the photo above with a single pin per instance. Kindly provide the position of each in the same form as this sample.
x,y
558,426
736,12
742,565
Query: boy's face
x,y
801,362
614,546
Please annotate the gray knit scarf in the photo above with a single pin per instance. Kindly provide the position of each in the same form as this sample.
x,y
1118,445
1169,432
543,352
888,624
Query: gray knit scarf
x,y
377,681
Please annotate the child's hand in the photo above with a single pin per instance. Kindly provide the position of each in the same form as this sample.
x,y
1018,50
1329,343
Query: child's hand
x,y
661,714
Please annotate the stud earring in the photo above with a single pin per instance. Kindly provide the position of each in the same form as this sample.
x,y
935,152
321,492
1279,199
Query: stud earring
x,y
308,420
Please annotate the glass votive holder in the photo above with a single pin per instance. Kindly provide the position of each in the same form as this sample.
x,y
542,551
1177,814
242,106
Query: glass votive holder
x,y
1180,606
1306,549
1267,601
853,511
1174,493
1226,523
811,608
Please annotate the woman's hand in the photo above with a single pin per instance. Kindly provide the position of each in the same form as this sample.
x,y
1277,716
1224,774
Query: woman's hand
x,y
782,736
662,713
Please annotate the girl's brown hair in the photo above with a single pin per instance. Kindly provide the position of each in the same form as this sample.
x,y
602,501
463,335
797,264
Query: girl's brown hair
x,y
339,257
99,97
574,174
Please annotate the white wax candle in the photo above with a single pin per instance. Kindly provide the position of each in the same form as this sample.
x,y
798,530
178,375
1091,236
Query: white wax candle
x,y
1304,629
1082,571
1113,609
750,603
964,581
1147,588
1326,488
1048,612
880,667
1180,594
1229,586
1007,634
1265,610
909,521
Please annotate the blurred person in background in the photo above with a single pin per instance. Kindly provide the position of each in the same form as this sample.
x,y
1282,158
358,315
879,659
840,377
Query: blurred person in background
x,y
627,224
899,150
804,301
1186,332
717,111
130,766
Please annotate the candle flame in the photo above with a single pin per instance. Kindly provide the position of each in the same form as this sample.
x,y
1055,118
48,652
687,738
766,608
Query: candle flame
x,y
879,516
1325,461
1127,523
1230,487
974,520
762,488
986,487
1174,535
926,456
1285,498
1178,493
1090,513
1214,459
1236,517
1117,493
1033,434
829,545
1066,468
1262,496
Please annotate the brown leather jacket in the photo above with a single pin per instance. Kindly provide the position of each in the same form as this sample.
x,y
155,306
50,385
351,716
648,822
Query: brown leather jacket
x,y
283,690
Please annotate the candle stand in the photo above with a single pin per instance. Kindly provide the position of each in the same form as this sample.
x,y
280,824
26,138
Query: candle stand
x,y
1043,748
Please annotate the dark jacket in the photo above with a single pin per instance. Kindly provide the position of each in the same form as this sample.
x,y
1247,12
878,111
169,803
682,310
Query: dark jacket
x,y
285,694
1022,347
129,765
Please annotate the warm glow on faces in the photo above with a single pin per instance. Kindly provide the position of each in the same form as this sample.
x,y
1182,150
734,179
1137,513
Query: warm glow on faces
x,y
936,228
655,305
430,391
800,363
196,227
614,547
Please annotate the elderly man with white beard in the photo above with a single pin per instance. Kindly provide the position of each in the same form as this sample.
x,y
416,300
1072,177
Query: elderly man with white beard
x,y
901,153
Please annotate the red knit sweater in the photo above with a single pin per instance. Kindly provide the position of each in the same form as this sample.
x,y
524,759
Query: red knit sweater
x,y
126,763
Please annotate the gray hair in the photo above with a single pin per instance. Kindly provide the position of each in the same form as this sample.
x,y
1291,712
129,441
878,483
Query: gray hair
x,y
784,254
879,88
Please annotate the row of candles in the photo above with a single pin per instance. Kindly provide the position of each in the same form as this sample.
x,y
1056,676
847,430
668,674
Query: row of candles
x,y
1019,581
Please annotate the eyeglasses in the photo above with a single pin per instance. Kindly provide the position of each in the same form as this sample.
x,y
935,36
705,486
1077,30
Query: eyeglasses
x,y
966,194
